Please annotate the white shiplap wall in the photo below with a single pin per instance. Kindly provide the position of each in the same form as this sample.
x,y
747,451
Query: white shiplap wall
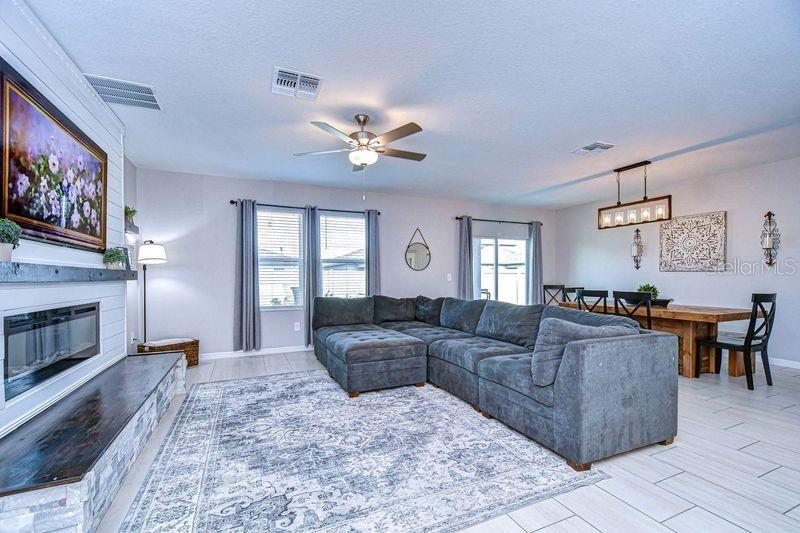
x,y
27,46
30,49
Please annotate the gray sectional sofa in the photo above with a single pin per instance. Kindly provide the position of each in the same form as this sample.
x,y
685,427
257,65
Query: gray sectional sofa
x,y
585,385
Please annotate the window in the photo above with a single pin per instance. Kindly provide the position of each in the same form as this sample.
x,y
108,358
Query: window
x,y
342,243
280,258
503,273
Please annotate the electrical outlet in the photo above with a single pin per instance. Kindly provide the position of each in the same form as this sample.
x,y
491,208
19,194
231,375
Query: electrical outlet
x,y
449,277
297,326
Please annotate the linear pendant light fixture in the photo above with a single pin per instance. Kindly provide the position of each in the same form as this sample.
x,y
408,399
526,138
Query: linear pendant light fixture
x,y
641,211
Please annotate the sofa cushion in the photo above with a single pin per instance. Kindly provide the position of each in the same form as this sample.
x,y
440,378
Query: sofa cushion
x,y
513,371
555,334
517,324
329,311
367,346
403,325
393,309
586,318
322,334
468,352
433,334
428,310
461,314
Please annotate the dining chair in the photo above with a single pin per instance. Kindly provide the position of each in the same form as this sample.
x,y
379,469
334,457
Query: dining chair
x,y
571,291
600,296
755,340
623,304
553,294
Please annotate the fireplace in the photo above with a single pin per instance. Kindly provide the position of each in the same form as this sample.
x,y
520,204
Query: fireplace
x,y
41,344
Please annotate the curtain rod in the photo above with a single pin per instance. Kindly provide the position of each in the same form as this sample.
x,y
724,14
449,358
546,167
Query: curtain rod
x,y
234,202
500,221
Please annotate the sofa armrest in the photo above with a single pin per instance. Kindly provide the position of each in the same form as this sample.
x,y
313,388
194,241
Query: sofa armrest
x,y
615,394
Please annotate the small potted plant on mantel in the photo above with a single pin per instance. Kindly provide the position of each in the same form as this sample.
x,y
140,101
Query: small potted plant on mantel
x,y
114,258
653,290
9,238
129,214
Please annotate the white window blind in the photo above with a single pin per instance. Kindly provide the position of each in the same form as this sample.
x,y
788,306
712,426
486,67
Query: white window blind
x,y
342,242
280,257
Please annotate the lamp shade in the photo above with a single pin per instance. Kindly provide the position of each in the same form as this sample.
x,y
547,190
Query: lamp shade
x,y
363,156
151,253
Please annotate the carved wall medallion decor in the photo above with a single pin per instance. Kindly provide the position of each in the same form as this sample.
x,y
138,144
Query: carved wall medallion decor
x,y
694,243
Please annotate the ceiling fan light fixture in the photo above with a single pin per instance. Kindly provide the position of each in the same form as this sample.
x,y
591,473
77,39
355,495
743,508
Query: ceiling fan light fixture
x,y
364,147
363,156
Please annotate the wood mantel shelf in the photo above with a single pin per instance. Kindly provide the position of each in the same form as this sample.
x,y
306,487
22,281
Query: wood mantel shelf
x,y
36,273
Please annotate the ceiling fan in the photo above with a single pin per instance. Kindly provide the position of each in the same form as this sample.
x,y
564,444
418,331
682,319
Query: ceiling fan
x,y
365,146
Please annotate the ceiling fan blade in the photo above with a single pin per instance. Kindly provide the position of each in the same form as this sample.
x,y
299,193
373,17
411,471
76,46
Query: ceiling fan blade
x,y
391,152
356,168
397,133
333,131
325,152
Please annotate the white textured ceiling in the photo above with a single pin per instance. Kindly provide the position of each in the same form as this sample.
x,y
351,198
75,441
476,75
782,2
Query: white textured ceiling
x,y
503,90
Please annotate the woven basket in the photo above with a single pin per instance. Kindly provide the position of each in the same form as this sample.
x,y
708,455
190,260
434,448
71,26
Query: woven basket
x,y
190,347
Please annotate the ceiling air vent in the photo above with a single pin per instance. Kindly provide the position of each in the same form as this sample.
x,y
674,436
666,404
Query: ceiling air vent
x,y
593,148
293,83
124,92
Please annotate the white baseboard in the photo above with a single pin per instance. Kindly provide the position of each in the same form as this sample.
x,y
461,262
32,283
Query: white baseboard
x,y
784,362
266,351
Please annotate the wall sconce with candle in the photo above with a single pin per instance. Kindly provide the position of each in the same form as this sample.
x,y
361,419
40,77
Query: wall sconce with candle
x,y
770,238
637,248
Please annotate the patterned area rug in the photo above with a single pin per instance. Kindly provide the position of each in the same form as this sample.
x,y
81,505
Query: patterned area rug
x,y
293,453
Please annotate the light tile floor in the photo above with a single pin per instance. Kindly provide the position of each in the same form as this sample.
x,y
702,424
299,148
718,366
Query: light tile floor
x,y
735,465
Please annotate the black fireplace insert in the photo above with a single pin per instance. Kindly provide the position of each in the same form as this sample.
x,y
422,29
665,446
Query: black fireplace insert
x,y
41,344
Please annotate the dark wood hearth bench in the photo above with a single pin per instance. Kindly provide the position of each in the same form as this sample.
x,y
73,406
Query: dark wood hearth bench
x,y
63,467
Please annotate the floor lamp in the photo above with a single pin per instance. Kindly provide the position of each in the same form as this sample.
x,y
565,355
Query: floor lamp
x,y
150,253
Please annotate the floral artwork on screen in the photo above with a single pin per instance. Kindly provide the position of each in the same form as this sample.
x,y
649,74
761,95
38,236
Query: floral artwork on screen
x,y
54,178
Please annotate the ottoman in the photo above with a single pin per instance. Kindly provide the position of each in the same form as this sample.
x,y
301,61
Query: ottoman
x,y
375,359
321,336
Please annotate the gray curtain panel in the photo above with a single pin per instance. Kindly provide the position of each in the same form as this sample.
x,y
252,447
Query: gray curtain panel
x,y
535,263
312,274
465,288
247,310
373,253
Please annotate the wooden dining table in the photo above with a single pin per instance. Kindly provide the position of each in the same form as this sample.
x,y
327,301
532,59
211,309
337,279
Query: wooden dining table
x,y
692,323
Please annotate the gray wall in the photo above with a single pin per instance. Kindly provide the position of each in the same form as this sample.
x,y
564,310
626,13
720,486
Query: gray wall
x,y
132,292
190,214
600,259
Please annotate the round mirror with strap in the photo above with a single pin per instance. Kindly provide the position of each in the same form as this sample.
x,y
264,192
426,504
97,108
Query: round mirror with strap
x,y
418,254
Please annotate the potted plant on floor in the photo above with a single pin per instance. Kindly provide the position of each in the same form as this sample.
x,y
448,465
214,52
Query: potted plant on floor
x,y
654,299
9,238
114,258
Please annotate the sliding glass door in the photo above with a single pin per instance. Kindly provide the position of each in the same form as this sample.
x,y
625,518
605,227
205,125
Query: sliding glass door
x,y
503,269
